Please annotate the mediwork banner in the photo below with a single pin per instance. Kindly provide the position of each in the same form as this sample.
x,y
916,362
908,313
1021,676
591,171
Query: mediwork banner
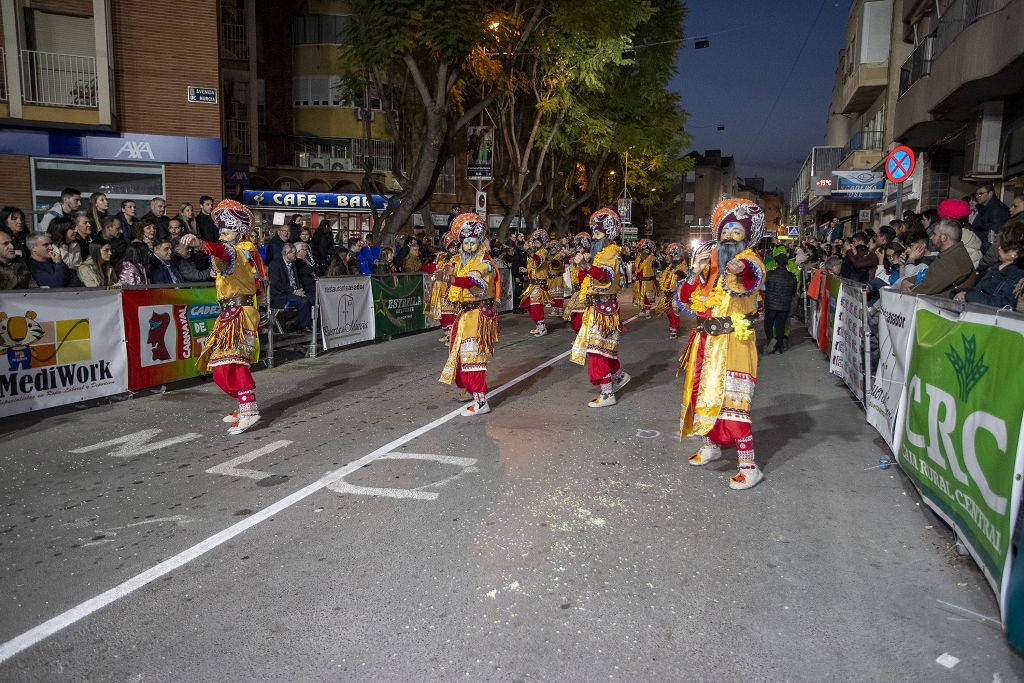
x,y
346,310
165,330
895,332
961,429
60,347
398,304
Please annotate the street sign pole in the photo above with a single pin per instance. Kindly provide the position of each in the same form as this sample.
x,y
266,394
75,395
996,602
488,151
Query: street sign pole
x,y
899,202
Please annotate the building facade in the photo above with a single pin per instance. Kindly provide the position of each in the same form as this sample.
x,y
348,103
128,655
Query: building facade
x,y
93,97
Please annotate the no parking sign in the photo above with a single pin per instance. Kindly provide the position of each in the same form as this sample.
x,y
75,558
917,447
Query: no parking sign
x,y
899,165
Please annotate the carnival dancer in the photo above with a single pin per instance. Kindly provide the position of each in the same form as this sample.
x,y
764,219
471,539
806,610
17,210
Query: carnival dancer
x,y
720,360
575,306
556,277
645,282
674,271
536,292
233,345
439,307
597,343
474,286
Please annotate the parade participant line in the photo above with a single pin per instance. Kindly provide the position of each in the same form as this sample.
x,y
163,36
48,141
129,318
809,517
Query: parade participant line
x,y
75,614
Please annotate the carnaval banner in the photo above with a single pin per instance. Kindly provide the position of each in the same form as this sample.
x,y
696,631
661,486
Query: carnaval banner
x,y
480,159
398,304
849,337
60,347
346,310
895,332
165,330
960,426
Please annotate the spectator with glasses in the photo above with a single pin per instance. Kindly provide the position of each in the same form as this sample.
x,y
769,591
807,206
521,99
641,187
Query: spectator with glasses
x,y
991,215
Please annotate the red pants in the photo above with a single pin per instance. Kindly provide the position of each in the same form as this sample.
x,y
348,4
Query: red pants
x,y
673,319
601,368
729,432
576,321
558,303
447,320
473,382
236,381
536,312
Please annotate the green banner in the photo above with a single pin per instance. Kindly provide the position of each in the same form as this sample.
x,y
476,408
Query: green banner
x,y
398,304
960,436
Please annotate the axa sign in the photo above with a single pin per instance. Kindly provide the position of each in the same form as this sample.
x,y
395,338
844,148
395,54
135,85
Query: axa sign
x,y
139,150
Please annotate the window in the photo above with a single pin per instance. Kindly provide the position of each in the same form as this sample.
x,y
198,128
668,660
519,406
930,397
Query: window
x,y
139,182
317,91
320,29
691,176
446,181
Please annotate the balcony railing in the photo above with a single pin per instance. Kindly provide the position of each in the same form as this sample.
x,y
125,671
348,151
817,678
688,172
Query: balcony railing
x,y
918,65
58,79
3,75
238,137
957,17
234,41
864,140
343,154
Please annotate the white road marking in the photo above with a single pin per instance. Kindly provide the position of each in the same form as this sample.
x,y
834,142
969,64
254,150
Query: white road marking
x,y
81,611
466,465
231,469
138,443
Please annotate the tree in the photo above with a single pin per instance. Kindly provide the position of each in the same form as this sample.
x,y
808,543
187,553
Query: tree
x,y
426,59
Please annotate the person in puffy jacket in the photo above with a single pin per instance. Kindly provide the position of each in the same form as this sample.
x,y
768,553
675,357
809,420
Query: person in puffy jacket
x,y
996,287
779,290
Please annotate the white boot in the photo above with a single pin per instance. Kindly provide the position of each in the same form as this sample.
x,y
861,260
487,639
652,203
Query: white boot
x,y
542,329
476,408
748,477
245,421
231,417
620,380
708,452
603,401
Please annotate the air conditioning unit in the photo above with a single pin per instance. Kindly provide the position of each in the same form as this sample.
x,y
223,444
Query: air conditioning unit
x,y
319,162
341,164
359,115
981,152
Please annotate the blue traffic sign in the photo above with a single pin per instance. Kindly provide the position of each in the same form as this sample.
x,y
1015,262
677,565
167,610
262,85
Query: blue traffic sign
x,y
900,163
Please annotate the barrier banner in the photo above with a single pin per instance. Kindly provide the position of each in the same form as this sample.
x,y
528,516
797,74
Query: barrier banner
x,y
961,429
165,330
847,359
59,349
346,310
895,332
398,304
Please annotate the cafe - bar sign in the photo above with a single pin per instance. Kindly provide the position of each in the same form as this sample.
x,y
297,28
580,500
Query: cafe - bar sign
x,y
312,200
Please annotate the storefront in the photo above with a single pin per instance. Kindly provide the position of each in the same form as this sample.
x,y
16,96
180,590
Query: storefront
x,y
123,166
350,215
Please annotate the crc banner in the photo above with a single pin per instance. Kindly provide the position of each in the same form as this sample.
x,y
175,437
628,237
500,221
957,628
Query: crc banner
x,y
895,332
398,304
847,359
60,347
346,310
165,330
961,429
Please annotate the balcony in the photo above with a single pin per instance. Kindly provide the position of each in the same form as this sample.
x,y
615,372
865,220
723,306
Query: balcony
x,y
917,66
862,85
863,151
61,80
976,56
343,154
239,142
234,42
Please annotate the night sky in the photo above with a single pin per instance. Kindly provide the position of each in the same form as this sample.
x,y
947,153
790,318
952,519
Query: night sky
x,y
736,80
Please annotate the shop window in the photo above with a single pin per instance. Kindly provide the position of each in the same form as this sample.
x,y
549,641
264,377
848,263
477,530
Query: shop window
x,y
138,182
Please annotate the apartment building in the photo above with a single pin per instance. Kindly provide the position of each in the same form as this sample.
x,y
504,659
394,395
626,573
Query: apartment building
x,y
118,96
712,179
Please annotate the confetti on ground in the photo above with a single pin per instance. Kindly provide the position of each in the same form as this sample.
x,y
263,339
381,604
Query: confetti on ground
x,y
947,660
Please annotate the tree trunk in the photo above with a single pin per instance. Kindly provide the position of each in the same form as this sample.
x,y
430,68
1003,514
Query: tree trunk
x,y
595,181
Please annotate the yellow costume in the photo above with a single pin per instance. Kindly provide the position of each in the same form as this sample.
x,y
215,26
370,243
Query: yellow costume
x,y
476,329
235,335
537,273
645,283
599,332
439,303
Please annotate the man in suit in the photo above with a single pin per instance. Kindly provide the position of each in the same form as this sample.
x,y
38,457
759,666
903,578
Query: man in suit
x,y
275,245
162,270
286,289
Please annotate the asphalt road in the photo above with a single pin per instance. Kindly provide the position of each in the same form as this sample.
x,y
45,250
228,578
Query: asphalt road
x,y
545,541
